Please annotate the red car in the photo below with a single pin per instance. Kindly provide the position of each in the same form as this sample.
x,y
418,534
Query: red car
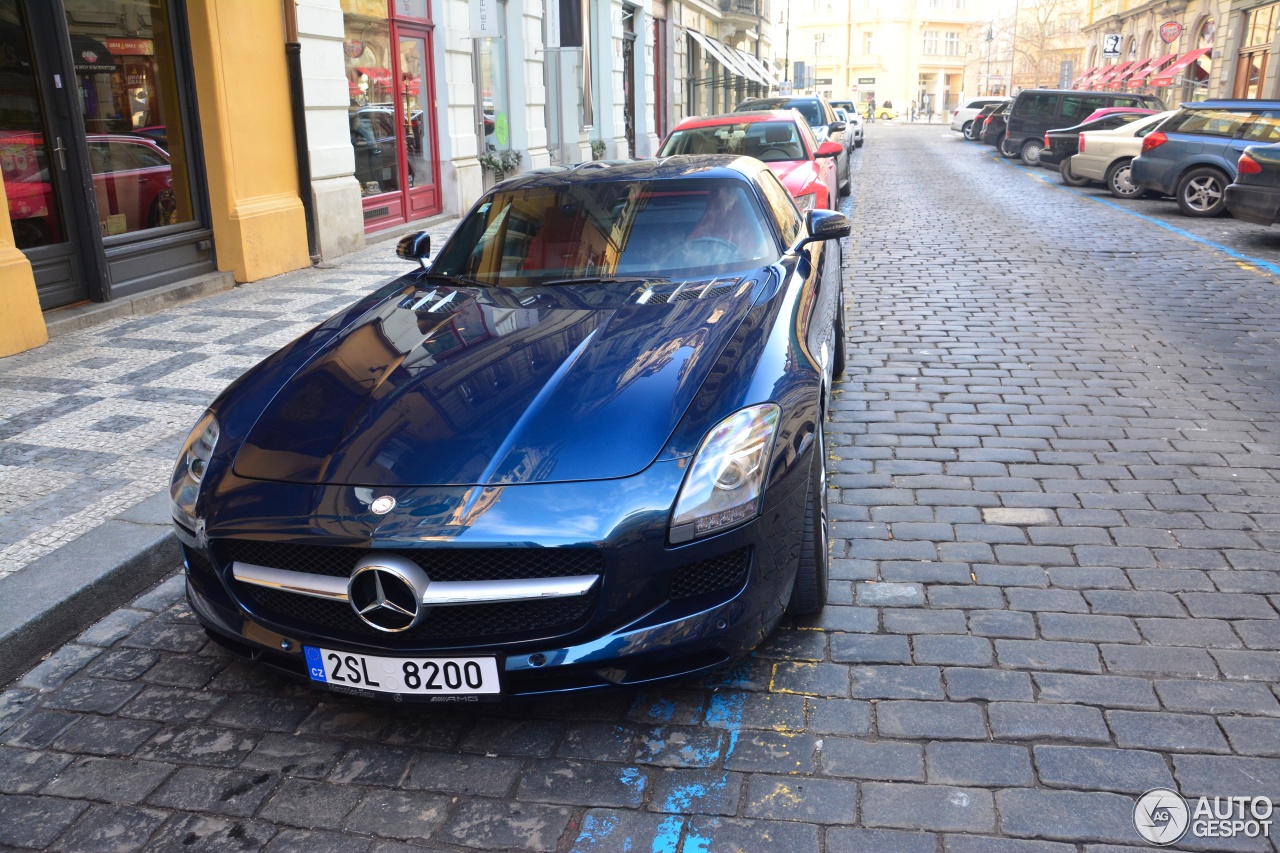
x,y
132,183
781,139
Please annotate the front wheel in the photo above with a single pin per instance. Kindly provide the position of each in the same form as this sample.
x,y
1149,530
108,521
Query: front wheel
x,y
1069,177
809,595
1120,180
1202,192
1031,152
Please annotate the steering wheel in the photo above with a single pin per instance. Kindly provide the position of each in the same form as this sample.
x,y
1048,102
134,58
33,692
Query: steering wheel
x,y
786,152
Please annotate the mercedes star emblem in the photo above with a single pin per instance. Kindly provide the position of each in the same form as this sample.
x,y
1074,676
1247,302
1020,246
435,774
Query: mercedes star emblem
x,y
386,592
383,505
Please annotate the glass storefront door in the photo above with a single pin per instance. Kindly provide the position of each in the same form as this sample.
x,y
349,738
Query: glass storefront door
x,y
418,120
96,143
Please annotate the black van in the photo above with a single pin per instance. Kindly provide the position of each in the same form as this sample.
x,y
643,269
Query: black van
x,y
1038,110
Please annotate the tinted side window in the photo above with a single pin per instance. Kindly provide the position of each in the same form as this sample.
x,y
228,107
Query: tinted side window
x,y
1037,106
781,205
811,111
1222,123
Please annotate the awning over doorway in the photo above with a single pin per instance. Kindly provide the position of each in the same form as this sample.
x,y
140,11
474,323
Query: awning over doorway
x,y
1088,72
1135,69
726,56
1165,77
91,56
762,71
1109,72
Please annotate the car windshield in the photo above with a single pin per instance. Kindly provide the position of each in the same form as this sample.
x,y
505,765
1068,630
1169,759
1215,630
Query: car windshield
x,y
764,140
584,232
810,110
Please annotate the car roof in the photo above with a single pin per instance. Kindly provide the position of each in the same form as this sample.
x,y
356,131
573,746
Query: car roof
x,y
1084,92
775,103
682,166
744,117
1233,104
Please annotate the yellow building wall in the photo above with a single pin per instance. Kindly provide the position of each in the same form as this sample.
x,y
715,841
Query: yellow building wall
x,y
21,323
237,47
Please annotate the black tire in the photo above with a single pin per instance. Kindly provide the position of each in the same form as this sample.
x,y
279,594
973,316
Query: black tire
x,y
1030,152
967,130
1120,182
846,186
1202,192
809,594
1068,177
1007,147
858,144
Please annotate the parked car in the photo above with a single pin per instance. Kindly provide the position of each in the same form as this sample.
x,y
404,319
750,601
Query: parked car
x,y
581,448
1192,156
1106,155
1061,143
822,120
853,124
1254,196
1035,111
1106,111
980,121
779,138
994,126
132,185
962,120
885,110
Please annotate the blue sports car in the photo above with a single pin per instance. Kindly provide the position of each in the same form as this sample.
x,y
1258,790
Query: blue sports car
x,y
580,447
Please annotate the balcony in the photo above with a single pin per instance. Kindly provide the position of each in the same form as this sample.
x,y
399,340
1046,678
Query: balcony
x,y
744,14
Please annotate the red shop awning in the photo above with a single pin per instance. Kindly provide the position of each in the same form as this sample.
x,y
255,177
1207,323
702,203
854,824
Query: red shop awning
x,y
1088,73
1165,77
1155,65
377,75
1135,69
1111,71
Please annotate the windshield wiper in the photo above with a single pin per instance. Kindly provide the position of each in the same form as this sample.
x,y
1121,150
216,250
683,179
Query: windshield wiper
x,y
459,279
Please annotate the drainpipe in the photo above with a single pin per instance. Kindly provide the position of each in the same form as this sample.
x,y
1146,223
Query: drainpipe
x,y
297,108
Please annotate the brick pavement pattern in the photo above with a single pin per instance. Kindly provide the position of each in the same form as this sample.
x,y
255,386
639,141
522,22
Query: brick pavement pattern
x,y
1055,579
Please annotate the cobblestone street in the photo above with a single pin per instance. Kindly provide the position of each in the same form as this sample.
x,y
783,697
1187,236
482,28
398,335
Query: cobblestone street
x,y
1055,463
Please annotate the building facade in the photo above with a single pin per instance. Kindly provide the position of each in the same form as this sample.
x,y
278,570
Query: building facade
x,y
147,142
1169,48
924,51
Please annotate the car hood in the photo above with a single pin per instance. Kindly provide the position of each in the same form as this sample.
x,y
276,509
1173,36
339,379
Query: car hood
x,y
484,386
794,174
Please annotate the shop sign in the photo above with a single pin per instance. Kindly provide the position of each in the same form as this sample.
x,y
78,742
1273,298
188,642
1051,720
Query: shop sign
x,y
1170,31
866,81
1111,45
484,19
822,81
130,47
353,48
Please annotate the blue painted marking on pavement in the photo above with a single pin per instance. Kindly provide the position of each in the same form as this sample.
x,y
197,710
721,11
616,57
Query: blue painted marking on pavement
x,y
632,778
668,838
595,832
315,664
1274,269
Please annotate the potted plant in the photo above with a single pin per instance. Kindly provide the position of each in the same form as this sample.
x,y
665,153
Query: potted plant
x,y
597,149
499,162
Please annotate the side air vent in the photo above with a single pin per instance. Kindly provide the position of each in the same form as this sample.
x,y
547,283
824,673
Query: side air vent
x,y
660,294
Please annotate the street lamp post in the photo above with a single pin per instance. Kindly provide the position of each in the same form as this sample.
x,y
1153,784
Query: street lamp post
x,y
991,36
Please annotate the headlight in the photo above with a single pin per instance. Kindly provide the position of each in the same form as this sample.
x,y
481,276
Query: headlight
x,y
725,481
808,201
193,463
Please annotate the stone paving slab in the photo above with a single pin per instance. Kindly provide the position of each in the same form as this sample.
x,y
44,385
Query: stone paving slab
x,y
1031,623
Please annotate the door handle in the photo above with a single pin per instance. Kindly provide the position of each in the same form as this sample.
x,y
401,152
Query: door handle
x,y
62,154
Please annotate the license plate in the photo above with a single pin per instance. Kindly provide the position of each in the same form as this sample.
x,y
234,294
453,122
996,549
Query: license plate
x,y
349,672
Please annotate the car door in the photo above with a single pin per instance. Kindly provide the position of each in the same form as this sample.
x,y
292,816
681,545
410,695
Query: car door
x,y
828,168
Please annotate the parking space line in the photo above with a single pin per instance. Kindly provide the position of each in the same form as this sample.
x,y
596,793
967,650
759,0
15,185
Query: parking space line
x,y
1272,268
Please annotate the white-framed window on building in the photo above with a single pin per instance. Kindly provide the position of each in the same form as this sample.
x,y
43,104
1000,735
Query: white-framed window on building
x,y
868,43
951,44
930,42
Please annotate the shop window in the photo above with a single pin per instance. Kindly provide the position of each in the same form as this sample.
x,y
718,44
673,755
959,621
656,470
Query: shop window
x,y
491,71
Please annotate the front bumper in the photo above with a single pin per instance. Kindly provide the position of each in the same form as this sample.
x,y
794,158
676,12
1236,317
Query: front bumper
x,y
1259,205
637,628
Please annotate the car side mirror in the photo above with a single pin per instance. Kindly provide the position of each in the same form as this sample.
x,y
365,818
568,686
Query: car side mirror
x,y
415,247
830,148
835,127
822,225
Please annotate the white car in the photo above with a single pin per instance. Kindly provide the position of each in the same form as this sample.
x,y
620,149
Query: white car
x,y
854,122
962,119
1105,156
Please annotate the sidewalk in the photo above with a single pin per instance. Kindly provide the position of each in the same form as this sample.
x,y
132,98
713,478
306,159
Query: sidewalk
x,y
90,425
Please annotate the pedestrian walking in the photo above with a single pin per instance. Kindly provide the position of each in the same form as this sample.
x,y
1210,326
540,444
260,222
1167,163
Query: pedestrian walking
x,y
871,111
913,111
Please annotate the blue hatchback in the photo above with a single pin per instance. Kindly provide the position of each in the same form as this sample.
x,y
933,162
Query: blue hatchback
x,y
1192,156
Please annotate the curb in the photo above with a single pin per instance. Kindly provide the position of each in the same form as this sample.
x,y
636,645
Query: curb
x,y
66,320
53,599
